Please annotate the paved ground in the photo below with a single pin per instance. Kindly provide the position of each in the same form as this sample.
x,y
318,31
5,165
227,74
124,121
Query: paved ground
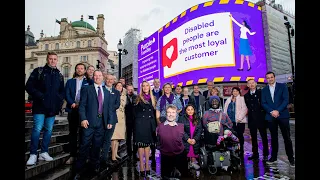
x,y
249,170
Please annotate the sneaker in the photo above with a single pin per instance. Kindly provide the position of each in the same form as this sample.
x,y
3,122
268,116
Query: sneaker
x,y
292,163
194,165
32,160
45,157
272,160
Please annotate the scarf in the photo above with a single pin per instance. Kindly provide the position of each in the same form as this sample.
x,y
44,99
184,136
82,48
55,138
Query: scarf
x,y
164,98
190,118
215,110
146,97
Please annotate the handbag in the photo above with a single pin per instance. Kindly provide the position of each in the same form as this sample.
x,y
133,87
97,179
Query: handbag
x,y
214,127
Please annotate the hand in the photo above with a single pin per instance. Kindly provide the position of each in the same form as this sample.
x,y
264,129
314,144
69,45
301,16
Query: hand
x,y
238,120
276,113
229,134
73,105
109,126
189,141
253,33
193,141
230,15
85,123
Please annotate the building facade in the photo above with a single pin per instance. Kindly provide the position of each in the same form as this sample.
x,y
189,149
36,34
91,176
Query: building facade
x,y
77,42
129,62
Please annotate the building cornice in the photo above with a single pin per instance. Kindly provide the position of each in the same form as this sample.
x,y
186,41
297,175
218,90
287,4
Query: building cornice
x,y
63,51
59,38
31,59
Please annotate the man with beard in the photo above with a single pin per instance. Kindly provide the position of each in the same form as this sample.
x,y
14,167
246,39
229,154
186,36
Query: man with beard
x,y
72,93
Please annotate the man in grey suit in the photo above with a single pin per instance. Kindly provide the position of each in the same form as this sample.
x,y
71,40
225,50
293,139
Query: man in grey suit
x,y
95,113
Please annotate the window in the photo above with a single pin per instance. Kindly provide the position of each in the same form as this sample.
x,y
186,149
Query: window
x,y
89,43
84,58
46,47
57,46
31,66
78,44
66,72
66,60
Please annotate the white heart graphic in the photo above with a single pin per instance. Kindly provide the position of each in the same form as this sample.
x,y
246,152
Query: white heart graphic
x,y
169,51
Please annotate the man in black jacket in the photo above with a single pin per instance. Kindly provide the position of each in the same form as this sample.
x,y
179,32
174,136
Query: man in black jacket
x,y
131,99
46,86
256,120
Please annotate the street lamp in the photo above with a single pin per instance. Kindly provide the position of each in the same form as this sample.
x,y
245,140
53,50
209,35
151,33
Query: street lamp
x,y
290,31
125,52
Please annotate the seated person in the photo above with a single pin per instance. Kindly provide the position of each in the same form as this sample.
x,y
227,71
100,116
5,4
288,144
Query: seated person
x,y
170,134
215,122
192,133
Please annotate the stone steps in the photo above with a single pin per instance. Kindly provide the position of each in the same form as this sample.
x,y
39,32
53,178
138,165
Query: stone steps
x,y
43,166
57,127
59,173
57,137
54,149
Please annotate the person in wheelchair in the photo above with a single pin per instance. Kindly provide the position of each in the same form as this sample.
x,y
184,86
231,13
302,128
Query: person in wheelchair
x,y
219,138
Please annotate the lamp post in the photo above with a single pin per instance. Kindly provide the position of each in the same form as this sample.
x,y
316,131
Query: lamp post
x,y
290,32
121,51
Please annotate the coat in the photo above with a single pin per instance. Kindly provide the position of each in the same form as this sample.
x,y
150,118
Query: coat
x,y
120,129
256,113
196,135
241,108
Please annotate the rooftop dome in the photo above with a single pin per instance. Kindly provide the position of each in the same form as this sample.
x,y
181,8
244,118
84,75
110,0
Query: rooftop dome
x,y
28,32
29,38
83,24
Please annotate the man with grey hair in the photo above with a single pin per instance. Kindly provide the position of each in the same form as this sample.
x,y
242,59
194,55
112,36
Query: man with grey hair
x,y
210,85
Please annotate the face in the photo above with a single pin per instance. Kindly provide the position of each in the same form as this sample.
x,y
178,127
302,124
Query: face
x,y
52,60
185,91
119,87
80,70
109,80
178,90
97,77
167,89
215,104
156,83
270,78
171,114
190,111
235,93
90,71
130,90
252,84
123,81
243,23
196,89
214,92
145,88
210,85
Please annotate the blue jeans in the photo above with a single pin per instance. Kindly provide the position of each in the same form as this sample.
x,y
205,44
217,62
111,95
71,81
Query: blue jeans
x,y
40,121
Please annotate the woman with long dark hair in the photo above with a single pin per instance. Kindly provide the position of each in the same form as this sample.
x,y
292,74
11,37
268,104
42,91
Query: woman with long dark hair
x,y
144,125
245,50
192,134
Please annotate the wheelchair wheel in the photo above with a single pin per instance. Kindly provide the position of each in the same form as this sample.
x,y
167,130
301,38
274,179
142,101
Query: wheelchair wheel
x,y
203,158
212,170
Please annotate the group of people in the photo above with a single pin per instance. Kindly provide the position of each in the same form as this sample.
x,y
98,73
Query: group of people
x,y
173,122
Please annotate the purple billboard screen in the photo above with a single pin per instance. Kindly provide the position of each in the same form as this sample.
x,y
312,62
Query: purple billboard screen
x,y
217,41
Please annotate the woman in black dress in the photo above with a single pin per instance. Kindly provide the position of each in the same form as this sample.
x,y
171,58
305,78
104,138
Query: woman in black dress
x,y
144,125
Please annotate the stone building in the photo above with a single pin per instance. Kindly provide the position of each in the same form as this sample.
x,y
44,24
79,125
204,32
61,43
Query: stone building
x,y
78,41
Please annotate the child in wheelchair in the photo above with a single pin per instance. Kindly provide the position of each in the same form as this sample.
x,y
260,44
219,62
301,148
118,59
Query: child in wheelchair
x,y
220,144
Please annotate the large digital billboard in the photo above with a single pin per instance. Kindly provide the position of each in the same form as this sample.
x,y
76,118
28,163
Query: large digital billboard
x,y
219,41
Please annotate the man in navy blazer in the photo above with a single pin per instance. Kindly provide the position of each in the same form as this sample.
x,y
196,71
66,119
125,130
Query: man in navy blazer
x,y
96,117
274,100
72,94
114,105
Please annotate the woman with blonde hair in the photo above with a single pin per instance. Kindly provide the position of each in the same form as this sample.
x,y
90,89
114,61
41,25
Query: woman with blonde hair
x,y
144,126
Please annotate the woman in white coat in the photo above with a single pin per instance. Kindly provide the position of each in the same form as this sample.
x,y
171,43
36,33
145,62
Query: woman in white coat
x,y
236,109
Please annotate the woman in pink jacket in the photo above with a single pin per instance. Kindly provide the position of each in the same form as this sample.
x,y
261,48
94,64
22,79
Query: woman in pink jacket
x,y
236,109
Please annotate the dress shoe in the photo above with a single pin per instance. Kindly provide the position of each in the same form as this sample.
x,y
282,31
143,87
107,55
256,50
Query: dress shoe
x,y
148,172
142,174
77,177
253,157
265,158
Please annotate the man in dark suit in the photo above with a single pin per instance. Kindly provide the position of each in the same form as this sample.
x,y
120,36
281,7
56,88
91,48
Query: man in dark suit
x,y
131,99
114,103
210,86
275,99
72,94
256,120
96,117
156,91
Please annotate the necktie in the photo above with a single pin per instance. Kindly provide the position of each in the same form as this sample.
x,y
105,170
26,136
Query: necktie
x,y
100,100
